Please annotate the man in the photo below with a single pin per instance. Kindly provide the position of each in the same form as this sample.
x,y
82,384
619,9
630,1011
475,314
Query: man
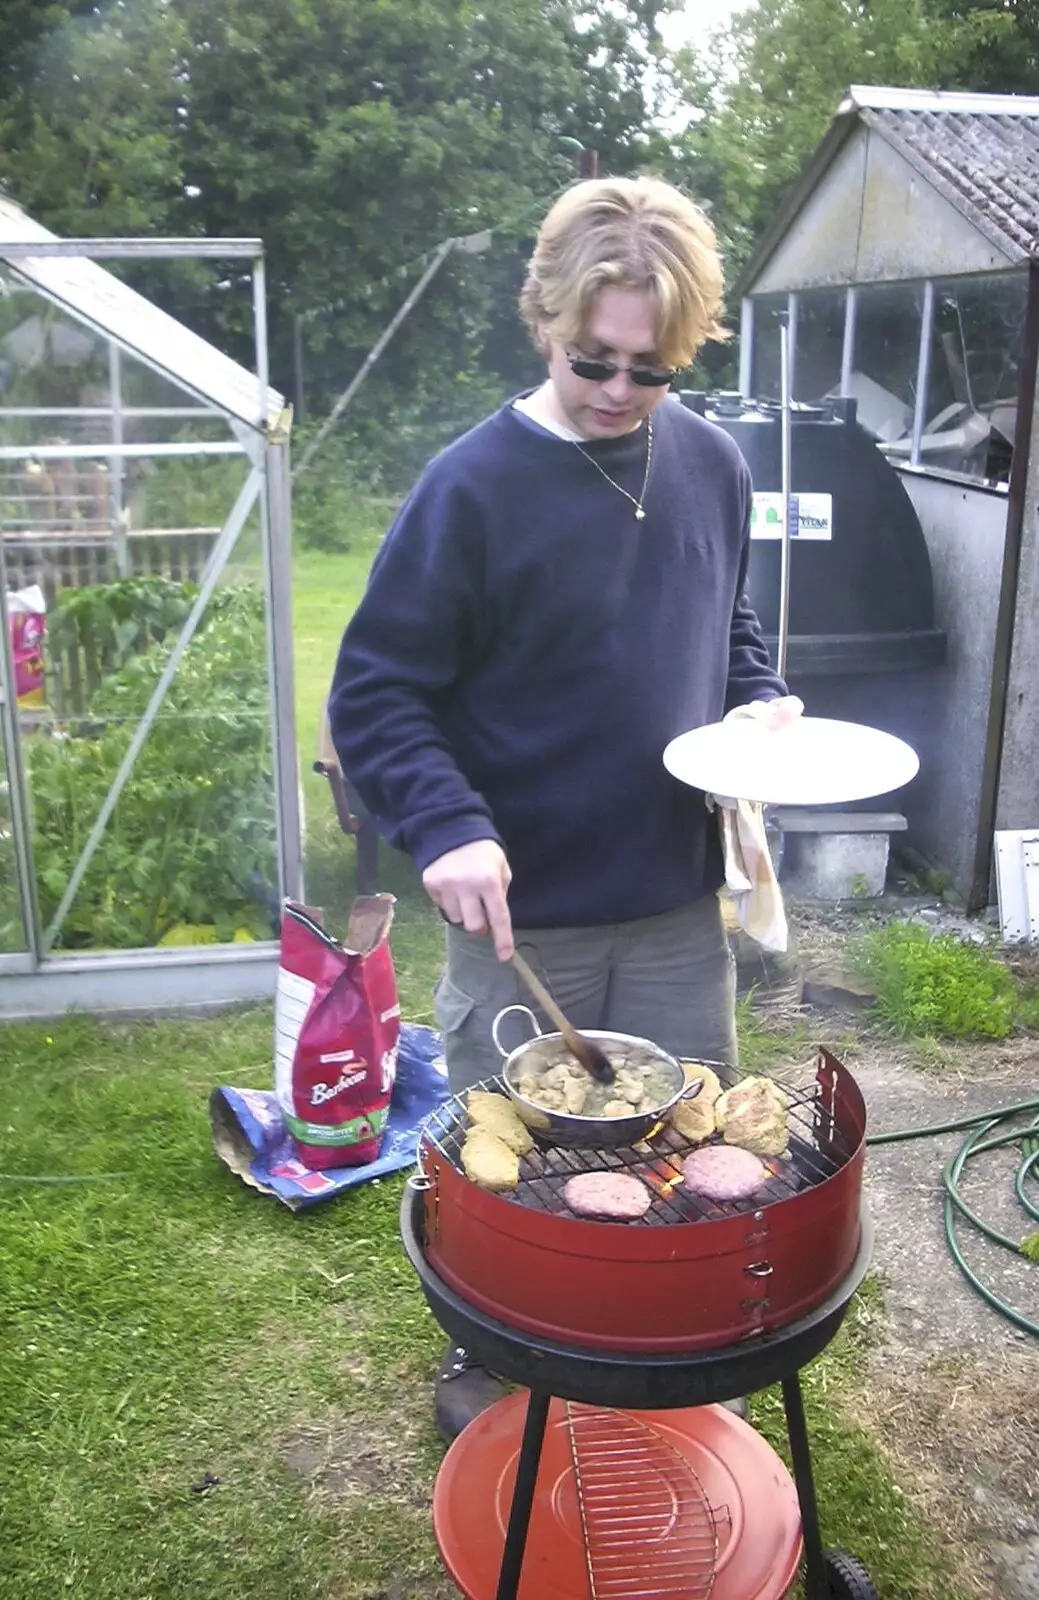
x,y
561,595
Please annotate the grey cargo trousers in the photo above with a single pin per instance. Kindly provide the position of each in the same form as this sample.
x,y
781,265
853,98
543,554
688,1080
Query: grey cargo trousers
x,y
669,978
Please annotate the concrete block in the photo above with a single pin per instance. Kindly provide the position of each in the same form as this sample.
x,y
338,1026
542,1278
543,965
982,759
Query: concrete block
x,y
835,866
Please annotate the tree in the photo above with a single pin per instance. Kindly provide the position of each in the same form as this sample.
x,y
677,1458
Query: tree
x,y
351,135
88,116
762,99
987,45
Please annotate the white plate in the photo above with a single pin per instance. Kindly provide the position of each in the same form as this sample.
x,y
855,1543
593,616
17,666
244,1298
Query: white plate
x,y
811,761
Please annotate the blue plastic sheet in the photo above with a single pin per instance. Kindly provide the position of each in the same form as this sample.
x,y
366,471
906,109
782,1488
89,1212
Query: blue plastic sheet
x,y
250,1137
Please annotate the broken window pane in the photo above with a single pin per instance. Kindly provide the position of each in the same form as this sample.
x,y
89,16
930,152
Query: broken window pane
x,y
974,375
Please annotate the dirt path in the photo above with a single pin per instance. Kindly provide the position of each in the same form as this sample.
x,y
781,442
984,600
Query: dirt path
x,y
952,1389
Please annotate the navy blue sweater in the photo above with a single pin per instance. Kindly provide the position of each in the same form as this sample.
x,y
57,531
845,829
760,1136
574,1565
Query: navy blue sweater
x,y
525,650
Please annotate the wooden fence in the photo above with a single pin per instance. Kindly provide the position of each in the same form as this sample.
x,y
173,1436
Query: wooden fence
x,y
76,560
63,560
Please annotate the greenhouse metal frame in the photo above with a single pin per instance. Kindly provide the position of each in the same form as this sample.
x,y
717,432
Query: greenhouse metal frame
x,y
40,979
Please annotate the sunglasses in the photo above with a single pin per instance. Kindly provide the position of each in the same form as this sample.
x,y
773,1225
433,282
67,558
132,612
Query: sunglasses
x,y
603,371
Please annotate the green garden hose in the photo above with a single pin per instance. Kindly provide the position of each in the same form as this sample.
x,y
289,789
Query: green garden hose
x,y
975,1144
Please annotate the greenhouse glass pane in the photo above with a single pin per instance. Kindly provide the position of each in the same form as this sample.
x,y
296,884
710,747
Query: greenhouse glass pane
x,y
12,928
116,549
188,855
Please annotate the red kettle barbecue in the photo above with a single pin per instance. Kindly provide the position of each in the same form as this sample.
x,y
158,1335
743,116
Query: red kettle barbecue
x,y
690,1274
624,1336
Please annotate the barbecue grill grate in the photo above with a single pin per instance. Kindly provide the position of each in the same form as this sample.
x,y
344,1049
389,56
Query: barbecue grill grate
x,y
648,1526
818,1149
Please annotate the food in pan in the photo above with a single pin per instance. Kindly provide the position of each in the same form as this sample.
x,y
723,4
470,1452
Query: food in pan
x,y
609,1196
488,1161
562,1084
754,1115
694,1119
498,1116
721,1173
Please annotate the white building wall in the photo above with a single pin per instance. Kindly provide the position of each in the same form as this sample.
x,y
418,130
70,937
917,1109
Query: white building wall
x,y
873,218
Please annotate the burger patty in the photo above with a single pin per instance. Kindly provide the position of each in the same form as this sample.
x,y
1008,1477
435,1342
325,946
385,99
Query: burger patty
x,y
610,1196
722,1172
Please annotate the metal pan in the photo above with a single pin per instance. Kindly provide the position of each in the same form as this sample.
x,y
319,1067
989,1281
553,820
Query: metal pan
x,y
581,1132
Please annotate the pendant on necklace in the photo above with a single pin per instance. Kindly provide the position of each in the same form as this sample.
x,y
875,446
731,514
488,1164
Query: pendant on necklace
x,y
640,515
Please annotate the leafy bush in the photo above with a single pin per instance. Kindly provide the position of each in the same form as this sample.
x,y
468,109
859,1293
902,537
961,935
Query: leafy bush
x,y
936,984
113,621
11,936
332,505
382,442
192,838
184,491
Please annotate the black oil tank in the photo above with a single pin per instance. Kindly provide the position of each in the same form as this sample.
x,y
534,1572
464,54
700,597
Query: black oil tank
x,y
861,601
862,645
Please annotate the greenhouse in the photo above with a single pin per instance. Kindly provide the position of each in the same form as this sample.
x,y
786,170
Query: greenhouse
x,y
149,790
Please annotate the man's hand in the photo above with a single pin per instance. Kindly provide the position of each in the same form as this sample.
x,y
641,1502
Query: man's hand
x,y
775,714
469,885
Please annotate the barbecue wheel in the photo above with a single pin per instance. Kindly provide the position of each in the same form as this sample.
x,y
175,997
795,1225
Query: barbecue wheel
x,y
847,1578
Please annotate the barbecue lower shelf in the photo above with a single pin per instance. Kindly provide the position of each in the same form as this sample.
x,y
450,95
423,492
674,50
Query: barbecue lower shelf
x,y
629,1506
639,1385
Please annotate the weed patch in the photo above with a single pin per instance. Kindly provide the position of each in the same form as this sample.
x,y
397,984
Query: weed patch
x,y
937,985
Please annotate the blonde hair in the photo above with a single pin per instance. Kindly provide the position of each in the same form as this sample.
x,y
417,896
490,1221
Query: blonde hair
x,y
627,233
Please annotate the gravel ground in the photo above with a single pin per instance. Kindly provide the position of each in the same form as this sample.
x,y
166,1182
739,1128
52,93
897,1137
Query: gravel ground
x,y
953,1387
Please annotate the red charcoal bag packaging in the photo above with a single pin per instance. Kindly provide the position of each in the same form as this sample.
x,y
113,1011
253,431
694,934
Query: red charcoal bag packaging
x,y
27,624
336,1032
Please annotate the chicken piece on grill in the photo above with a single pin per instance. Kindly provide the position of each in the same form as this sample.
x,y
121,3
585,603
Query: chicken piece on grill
x,y
618,1108
694,1119
498,1116
754,1115
489,1162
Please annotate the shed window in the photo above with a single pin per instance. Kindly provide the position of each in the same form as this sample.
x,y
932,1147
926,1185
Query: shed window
x,y
820,341
974,375
765,369
888,325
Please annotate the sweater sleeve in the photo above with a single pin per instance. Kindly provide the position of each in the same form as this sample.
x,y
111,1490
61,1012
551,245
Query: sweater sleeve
x,y
401,654
750,673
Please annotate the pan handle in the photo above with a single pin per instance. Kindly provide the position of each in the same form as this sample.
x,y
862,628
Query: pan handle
x,y
495,1025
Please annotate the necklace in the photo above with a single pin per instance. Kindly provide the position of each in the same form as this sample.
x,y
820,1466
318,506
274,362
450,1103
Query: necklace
x,y
640,514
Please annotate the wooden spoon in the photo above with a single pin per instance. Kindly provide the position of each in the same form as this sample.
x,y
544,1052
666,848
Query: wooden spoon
x,y
593,1059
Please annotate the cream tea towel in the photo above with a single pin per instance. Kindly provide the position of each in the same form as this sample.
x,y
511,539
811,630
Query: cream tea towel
x,y
749,874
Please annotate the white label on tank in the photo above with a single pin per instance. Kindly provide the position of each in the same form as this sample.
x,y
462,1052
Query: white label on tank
x,y
811,516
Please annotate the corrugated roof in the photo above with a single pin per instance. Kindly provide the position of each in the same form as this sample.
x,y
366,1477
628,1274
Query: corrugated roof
x,y
986,163
980,151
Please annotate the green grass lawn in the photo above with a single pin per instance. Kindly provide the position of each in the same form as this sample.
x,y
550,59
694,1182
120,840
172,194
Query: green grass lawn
x,y
160,1322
